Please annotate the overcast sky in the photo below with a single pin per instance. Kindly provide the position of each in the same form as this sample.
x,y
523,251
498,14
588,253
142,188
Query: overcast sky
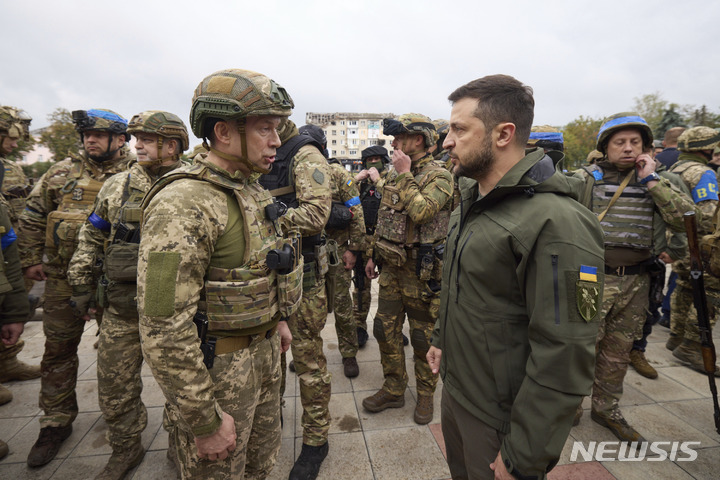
x,y
581,58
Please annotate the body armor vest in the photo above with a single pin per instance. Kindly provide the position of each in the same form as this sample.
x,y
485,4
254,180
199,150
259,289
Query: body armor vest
x,y
395,226
246,298
15,189
370,199
63,224
629,222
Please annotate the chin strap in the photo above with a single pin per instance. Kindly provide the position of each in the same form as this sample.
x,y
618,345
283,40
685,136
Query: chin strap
x,y
234,158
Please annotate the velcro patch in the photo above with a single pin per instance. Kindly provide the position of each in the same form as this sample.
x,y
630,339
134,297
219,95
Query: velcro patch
x,y
160,283
318,176
220,84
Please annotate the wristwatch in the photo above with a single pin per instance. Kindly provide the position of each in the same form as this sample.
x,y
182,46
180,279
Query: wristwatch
x,y
650,178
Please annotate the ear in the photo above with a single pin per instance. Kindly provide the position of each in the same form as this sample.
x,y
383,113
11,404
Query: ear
x,y
222,132
172,147
504,134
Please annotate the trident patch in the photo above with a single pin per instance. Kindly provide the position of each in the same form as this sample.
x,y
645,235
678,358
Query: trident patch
x,y
77,194
587,293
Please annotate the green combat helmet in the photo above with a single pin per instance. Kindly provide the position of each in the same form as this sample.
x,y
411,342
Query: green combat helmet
x,y
621,121
235,94
546,137
165,125
14,123
412,123
698,139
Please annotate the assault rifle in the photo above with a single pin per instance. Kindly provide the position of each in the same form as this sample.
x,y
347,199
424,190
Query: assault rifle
x,y
698,288
359,277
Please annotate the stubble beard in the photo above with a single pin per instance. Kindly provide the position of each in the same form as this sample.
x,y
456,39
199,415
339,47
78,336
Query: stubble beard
x,y
482,160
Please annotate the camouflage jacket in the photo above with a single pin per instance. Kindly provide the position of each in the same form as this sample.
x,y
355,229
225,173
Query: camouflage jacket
x,y
311,175
47,196
15,189
345,190
14,305
182,224
92,240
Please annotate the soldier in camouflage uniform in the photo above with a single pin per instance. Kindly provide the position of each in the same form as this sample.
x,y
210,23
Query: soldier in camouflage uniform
x,y
627,175
300,180
346,226
14,124
204,270
110,237
56,209
696,146
13,299
408,243
375,161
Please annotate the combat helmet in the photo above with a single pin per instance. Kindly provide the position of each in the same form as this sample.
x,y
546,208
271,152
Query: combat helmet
x,y
100,119
546,137
14,123
621,121
235,94
375,151
412,123
165,125
697,139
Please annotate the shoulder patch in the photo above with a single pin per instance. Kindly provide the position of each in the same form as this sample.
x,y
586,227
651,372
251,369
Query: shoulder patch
x,y
318,176
160,283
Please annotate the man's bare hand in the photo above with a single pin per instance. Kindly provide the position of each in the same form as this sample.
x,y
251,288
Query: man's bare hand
x,y
362,175
285,336
498,467
35,272
433,356
10,333
374,174
370,271
218,445
401,162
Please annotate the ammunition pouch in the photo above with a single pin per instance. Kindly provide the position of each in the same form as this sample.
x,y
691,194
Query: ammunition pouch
x,y
321,257
120,296
340,217
425,262
334,266
391,253
121,261
290,289
61,235
392,223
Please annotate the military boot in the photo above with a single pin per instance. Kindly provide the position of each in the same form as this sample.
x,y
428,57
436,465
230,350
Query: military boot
x,y
14,369
6,395
4,450
617,424
350,367
641,365
424,409
308,463
673,342
382,400
122,461
291,366
47,445
690,353
362,337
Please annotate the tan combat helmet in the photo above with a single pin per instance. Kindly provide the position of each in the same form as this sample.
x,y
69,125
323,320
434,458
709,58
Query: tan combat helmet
x,y
593,157
621,121
413,124
235,94
165,125
698,139
546,137
14,123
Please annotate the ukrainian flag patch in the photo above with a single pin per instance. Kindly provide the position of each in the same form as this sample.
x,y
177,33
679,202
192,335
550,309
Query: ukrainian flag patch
x,y
588,274
349,182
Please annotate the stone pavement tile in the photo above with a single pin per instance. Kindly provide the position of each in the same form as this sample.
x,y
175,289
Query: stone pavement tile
x,y
436,430
81,467
370,352
655,470
580,471
20,471
632,395
658,356
154,466
661,389
339,383
347,458
404,453
95,442
87,396
25,399
696,413
344,414
85,363
391,418
370,378
330,348
9,427
23,441
152,395
691,379
286,459
655,423
706,466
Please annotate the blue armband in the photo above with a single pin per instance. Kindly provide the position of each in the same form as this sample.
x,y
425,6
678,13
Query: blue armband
x,y
99,223
352,202
8,239
706,188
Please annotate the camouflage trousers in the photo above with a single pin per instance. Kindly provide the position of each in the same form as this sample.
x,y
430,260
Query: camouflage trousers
x,y
344,321
360,314
119,383
311,364
59,365
401,292
683,316
247,387
625,300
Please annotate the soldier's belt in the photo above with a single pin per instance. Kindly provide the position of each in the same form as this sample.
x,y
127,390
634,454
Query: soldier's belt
x,y
626,270
233,344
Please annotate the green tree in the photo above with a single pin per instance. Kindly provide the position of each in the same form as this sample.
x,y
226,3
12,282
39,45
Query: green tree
x,y
652,107
60,137
670,119
23,146
702,116
580,137
37,169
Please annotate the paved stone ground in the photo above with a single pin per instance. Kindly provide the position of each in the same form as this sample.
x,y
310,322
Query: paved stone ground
x,y
386,446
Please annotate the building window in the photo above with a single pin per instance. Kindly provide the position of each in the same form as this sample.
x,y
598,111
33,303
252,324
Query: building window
x,y
353,123
352,131
342,152
334,142
354,141
334,132
362,123
353,152
342,122
342,132
334,152
362,143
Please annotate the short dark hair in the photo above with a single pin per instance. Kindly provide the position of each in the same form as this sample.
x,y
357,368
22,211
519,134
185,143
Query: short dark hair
x,y
501,98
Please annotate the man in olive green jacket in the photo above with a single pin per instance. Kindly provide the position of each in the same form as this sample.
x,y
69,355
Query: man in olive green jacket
x,y
521,288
